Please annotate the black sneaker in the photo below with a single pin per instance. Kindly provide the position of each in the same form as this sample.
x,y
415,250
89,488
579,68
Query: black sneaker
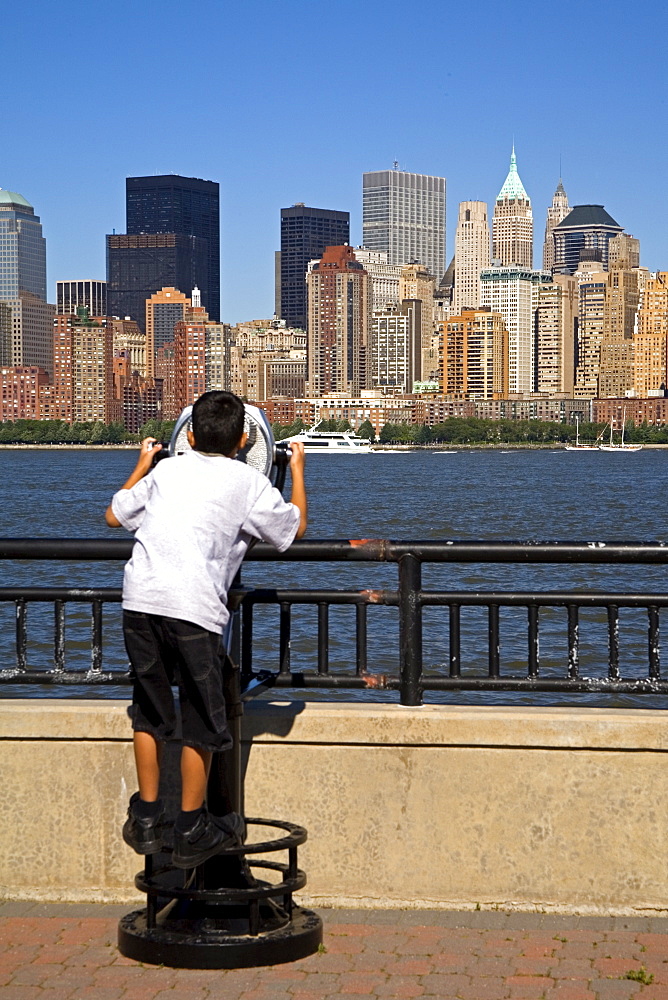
x,y
209,835
144,835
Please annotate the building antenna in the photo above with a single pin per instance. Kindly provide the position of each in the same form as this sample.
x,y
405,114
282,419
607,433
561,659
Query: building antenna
x,y
395,164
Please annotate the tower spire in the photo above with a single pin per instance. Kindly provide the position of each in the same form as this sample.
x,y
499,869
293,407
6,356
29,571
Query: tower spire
x,y
512,186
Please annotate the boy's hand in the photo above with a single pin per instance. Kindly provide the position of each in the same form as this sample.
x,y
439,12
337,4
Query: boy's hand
x,y
298,497
149,447
297,457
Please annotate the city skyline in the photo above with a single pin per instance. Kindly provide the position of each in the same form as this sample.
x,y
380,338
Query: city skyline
x,y
270,136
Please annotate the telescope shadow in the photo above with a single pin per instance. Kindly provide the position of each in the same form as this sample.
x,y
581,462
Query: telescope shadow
x,y
267,718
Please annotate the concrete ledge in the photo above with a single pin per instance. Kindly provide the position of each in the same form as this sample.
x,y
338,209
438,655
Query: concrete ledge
x,y
548,809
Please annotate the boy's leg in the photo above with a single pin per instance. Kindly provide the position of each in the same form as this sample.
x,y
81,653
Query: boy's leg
x,y
148,754
195,766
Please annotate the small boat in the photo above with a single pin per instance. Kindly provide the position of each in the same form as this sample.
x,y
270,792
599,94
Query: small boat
x,y
621,446
331,442
577,446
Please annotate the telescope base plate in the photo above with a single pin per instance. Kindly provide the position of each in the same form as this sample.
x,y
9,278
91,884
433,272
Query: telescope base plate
x,y
195,935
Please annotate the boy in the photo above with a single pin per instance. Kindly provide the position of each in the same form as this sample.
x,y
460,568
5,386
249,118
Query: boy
x,y
194,517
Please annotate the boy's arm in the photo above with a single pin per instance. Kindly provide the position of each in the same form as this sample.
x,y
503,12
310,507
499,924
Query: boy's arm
x,y
144,463
298,496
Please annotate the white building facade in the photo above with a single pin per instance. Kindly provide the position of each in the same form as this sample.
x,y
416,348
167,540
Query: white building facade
x,y
472,254
404,216
513,292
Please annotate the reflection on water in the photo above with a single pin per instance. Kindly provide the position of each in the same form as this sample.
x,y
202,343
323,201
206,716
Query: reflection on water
x,y
417,495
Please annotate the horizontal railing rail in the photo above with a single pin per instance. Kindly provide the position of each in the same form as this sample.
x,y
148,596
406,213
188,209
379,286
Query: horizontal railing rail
x,y
410,676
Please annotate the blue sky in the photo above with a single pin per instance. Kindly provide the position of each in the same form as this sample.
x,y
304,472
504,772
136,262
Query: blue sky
x,y
292,101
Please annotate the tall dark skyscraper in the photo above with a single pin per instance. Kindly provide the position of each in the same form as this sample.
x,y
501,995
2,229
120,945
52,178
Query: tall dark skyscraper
x,y
305,232
583,234
172,239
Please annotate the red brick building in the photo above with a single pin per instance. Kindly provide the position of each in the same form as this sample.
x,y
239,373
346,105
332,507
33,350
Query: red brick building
x,y
19,392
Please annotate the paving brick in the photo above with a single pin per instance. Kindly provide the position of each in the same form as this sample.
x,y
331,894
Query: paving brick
x,y
446,984
529,966
322,981
487,988
400,986
21,993
362,982
573,968
412,966
614,989
565,990
531,987
615,966
33,975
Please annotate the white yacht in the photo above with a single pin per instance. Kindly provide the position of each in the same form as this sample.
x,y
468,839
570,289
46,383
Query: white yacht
x,y
581,447
331,442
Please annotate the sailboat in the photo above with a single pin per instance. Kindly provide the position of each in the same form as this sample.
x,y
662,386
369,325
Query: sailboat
x,y
621,446
577,446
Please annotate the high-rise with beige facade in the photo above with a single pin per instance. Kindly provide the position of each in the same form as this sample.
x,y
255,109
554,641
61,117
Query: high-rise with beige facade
x,y
512,224
339,324
472,254
474,355
557,211
164,309
592,286
555,323
396,349
650,374
83,377
416,282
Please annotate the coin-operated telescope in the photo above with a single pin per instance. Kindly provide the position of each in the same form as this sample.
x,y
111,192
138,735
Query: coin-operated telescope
x,y
261,452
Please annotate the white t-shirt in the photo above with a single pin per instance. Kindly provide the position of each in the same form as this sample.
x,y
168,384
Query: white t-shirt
x,y
194,517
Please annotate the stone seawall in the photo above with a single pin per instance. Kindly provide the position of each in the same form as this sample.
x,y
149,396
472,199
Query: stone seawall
x,y
434,807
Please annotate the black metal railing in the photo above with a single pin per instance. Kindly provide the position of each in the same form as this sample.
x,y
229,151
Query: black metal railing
x,y
409,676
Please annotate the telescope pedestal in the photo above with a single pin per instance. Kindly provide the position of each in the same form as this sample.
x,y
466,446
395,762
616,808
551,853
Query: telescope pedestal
x,y
223,914
220,916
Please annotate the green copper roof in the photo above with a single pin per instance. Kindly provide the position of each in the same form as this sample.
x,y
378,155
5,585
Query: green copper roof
x,y
12,198
512,186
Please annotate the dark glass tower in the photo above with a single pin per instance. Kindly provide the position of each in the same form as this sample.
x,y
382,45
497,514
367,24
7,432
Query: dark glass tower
x,y
173,238
305,233
583,234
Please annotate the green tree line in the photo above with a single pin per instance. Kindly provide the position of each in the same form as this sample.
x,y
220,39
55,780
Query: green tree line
x,y
60,432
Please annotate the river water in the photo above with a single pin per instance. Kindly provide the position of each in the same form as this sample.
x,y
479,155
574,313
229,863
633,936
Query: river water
x,y
511,495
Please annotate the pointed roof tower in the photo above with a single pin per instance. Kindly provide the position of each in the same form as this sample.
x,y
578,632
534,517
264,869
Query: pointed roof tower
x,y
512,186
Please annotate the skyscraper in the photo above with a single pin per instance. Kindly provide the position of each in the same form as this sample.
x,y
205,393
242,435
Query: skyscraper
x,y
583,235
557,211
513,292
555,325
173,238
163,310
472,254
305,233
70,295
404,215
474,355
651,340
417,284
26,319
512,225
339,324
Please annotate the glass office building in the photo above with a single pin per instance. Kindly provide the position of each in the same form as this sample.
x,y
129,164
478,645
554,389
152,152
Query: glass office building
x,y
305,233
172,239
22,248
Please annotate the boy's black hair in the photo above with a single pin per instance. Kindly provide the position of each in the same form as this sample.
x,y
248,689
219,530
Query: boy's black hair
x,y
218,422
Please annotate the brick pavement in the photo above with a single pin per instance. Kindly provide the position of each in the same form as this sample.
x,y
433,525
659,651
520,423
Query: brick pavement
x,y
65,952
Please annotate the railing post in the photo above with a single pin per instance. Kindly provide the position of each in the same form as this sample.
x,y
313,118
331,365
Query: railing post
x,y
410,629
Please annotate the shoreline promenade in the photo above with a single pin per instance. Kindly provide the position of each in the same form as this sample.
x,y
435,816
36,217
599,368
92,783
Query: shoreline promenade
x,y
68,951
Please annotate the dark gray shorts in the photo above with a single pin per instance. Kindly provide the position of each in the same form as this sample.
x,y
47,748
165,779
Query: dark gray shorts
x,y
166,651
